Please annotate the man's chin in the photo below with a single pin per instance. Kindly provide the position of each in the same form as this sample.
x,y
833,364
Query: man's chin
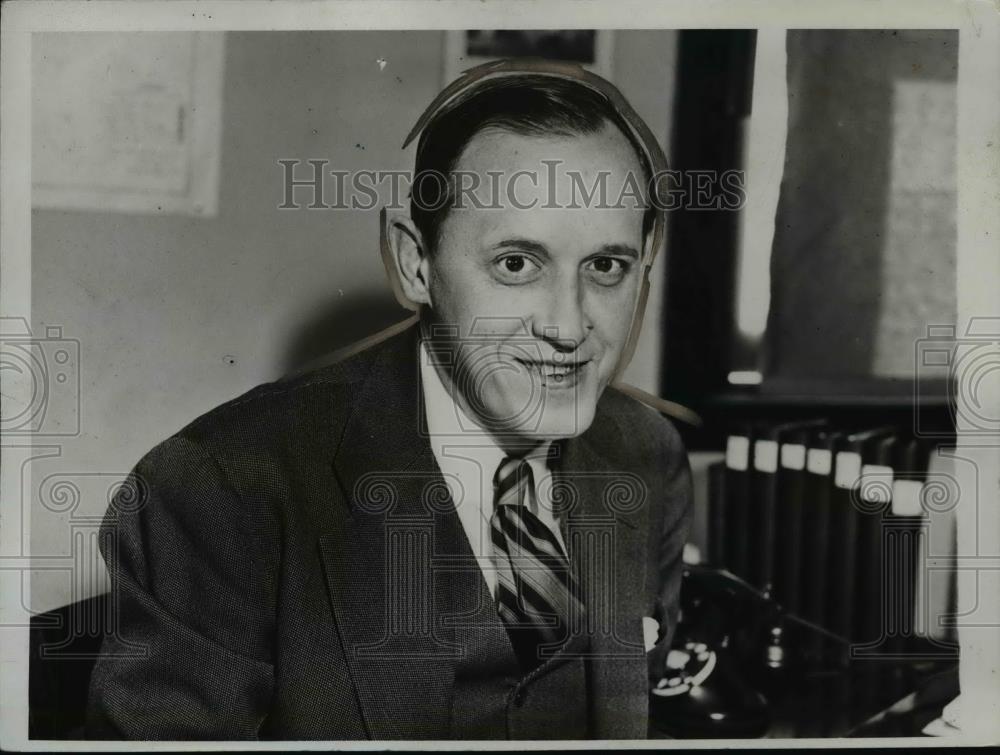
x,y
551,426
549,416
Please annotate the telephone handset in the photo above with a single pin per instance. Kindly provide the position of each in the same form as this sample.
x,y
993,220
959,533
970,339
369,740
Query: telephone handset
x,y
727,647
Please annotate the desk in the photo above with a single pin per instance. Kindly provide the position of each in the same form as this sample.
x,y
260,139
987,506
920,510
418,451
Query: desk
x,y
840,703
852,701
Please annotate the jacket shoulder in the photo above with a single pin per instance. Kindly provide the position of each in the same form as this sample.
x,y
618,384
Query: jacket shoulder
x,y
624,426
282,417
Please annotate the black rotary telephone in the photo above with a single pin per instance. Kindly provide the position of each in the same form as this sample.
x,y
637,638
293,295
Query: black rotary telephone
x,y
730,654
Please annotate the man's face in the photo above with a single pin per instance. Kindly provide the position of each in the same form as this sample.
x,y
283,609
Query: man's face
x,y
533,305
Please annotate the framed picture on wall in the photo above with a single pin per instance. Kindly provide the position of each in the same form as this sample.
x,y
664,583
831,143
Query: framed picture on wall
x,y
127,122
593,49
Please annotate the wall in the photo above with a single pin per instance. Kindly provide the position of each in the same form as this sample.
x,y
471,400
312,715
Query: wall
x,y
175,315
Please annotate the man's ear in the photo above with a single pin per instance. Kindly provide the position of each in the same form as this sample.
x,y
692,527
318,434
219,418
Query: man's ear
x,y
648,252
406,260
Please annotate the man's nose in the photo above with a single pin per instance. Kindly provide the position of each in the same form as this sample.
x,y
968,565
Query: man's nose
x,y
563,322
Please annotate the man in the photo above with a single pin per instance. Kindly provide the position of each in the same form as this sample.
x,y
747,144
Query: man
x,y
460,532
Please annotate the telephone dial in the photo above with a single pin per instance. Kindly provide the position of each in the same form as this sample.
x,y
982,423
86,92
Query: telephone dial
x,y
728,660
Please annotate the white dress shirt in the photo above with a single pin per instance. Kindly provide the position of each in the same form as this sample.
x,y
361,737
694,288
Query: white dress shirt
x,y
469,457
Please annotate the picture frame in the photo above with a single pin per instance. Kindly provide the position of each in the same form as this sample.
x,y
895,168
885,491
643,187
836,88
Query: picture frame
x,y
145,139
591,48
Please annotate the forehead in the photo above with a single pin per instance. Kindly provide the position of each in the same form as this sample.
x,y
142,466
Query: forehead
x,y
495,149
542,185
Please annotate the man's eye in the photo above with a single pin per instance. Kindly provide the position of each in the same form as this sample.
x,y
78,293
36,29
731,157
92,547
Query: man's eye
x,y
517,266
608,270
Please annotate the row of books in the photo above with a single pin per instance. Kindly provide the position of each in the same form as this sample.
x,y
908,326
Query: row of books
x,y
839,528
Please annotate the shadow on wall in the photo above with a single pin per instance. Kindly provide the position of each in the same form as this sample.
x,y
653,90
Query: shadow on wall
x,y
338,324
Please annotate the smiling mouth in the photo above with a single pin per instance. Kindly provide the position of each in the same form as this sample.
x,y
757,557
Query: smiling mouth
x,y
556,372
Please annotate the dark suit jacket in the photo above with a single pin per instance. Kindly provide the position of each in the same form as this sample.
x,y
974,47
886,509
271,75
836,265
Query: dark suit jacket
x,y
255,578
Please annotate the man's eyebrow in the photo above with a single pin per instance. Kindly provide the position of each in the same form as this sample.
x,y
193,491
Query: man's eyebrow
x,y
620,249
524,245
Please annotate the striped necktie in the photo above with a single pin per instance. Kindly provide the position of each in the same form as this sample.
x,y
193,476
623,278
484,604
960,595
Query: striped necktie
x,y
537,595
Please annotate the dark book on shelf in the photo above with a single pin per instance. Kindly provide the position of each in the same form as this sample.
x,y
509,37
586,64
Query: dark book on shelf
x,y
738,501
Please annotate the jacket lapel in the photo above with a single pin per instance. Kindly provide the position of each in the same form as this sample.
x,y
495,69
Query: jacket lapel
x,y
389,601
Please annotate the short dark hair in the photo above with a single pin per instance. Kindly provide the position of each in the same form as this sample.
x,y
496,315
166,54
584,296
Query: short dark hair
x,y
529,105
